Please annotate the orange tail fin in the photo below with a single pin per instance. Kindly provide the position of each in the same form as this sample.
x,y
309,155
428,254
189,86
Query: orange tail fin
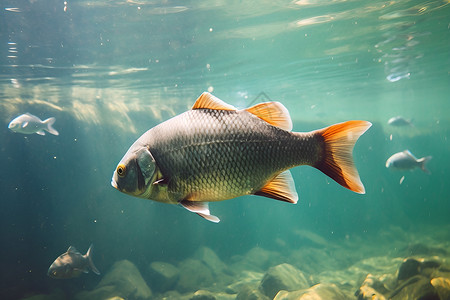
x,y
337,162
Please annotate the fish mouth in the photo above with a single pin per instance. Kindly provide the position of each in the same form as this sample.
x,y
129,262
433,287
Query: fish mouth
x,y
114,184
50,273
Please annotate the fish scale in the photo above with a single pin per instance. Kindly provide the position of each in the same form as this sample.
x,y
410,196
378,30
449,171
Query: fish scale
x,y
238,143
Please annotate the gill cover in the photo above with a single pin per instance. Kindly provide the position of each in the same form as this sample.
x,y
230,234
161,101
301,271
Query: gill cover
x,y
146,163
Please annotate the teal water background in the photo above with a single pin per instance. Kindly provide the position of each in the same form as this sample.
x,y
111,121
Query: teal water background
x,y
110,70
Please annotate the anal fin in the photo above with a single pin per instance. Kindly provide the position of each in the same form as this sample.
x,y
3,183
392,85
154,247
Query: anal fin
x,y
282,187
201,209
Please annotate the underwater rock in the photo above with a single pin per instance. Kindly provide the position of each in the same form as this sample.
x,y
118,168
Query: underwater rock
x,y
55,295
320,291
207,295
249,293
203,295
371,289
283,277
247,279
210,259
123,280
416,278
430,268
208,269
349,278
198,295
409,268
101,293
125,276
369,293
442,271
314,261
421,249
378,264
417,287
442,287
172,295
256,259
162,276
193,275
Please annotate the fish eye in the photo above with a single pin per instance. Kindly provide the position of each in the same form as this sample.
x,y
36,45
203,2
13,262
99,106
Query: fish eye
x,y
121,169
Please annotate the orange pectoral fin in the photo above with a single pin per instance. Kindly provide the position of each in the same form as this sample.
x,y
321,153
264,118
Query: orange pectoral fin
x,y
282,187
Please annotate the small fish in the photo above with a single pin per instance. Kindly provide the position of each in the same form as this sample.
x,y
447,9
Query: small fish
x,y
399,121
71,264
215,152
29,124
405,160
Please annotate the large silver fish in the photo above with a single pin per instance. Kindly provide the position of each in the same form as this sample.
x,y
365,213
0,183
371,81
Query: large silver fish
x,y
215,152
71,264
29,124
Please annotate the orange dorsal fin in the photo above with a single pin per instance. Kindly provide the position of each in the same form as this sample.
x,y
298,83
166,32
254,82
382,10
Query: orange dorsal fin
x,y
337,161
274,113
281,188
208,101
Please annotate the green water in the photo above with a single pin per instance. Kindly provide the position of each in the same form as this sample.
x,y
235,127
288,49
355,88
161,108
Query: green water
x,y
110,70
